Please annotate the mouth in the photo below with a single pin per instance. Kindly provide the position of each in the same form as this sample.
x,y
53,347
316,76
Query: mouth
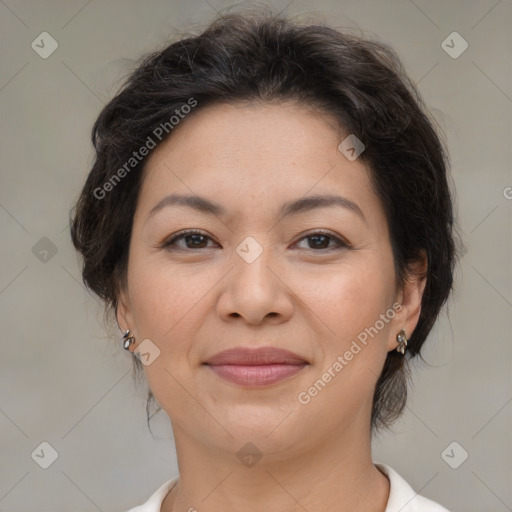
x,y
256,367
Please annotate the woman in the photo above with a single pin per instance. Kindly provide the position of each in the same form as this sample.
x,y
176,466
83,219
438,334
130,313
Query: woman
x,y
269,219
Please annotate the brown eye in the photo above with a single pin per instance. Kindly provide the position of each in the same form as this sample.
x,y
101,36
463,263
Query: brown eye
x,y
193,239
321,240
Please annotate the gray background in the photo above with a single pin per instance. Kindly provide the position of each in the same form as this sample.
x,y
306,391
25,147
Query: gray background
x,y
62,381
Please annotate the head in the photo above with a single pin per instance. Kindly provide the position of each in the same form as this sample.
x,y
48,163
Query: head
x,y
250,115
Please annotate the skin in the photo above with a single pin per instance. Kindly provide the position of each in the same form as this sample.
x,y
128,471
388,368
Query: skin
x,y
203,298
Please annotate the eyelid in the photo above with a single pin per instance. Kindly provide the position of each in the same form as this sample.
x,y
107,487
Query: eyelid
x,y
338,239
192,231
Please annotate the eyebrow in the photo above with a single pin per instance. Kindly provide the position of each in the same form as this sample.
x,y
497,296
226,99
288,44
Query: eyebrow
x,y
203,205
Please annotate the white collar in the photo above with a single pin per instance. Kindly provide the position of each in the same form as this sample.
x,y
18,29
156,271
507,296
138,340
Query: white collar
x,y
402,497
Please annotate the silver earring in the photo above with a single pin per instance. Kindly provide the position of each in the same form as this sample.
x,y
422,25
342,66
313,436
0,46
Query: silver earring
x,y
402,342
127,340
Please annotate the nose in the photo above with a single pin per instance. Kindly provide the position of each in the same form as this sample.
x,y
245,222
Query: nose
x,y
256,289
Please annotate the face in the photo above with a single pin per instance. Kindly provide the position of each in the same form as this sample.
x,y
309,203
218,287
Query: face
x,y
316,279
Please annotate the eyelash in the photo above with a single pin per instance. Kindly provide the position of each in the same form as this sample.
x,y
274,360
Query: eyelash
x,y
340,244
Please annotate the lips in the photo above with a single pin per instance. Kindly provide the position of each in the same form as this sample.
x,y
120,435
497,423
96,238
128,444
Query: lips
x,y
256,367
253,357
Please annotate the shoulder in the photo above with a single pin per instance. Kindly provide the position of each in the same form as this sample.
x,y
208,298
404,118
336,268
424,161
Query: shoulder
x,y
154,503
402,496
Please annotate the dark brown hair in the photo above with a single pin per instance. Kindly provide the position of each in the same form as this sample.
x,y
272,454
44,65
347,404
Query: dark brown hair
x,y
268,58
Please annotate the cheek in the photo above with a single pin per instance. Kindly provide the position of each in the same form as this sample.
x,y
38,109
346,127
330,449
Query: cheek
x,y
167,298
348,298
347,304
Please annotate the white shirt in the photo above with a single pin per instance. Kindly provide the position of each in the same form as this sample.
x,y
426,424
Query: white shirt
x,y
402,497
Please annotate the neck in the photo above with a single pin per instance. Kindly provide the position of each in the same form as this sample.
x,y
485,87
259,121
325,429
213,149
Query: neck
x,y
337,476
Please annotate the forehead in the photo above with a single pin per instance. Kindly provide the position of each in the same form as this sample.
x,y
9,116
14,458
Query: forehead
x,y
253,156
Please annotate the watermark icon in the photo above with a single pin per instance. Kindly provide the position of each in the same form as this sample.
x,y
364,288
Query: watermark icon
x,y
143,151
44,250
454,455
507,192
147,352
249,249
351,147
454,45
44,455
304,397
249,455
44,45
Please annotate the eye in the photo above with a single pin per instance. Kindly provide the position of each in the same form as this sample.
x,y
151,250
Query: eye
x,y
194,239
321,239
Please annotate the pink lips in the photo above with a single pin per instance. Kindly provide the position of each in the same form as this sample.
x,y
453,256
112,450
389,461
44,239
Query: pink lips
x,y
256,367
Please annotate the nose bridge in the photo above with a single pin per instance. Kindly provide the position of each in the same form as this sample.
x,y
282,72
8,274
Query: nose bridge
x,y
253,289
253,257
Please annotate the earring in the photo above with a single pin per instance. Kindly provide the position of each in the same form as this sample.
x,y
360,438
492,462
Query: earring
x,y
402,342
127,340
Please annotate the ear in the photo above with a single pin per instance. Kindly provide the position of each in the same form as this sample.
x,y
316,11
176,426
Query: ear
x,y
123,313
409,297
